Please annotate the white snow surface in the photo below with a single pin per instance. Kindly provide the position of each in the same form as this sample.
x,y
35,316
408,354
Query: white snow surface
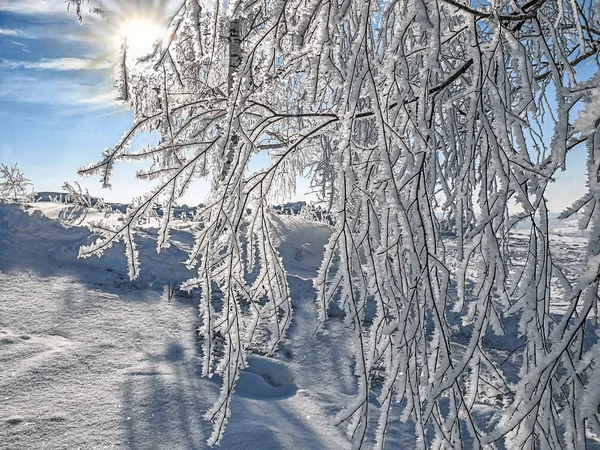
x,y
90,360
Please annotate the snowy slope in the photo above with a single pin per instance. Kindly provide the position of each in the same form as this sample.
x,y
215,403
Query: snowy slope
x,y
90,360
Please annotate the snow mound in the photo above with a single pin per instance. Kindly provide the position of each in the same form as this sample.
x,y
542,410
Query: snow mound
x,y
266,378
39,229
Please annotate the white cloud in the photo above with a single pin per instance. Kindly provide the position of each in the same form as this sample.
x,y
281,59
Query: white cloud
x,y
58,64
68,93
32,7
54,7
24,48
10,32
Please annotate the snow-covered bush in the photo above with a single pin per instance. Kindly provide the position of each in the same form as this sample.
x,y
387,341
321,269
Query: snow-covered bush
x,y
76,195
397,110
13,184
80,203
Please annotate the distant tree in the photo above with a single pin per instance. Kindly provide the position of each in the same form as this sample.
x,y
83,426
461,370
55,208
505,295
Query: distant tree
x,y
13,184
397,110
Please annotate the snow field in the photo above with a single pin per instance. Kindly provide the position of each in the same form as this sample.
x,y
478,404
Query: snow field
x,y
91,360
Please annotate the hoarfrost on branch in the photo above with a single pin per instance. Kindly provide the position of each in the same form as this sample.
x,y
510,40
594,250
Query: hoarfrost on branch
x,y
404,114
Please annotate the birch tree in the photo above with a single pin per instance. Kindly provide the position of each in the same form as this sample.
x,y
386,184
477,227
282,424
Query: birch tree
x,y
402,112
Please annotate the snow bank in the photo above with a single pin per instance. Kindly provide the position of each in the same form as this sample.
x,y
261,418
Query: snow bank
x,y
46,231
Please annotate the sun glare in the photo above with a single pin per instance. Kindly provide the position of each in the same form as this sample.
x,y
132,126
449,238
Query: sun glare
x,y
140,35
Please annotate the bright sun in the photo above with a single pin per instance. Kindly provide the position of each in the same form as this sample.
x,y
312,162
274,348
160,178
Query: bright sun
x,y
140,35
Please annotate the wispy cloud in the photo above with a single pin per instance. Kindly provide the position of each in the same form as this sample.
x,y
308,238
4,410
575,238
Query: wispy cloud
x,y
82,93
103,98
11,32
57,29
24,48
35,7
58,64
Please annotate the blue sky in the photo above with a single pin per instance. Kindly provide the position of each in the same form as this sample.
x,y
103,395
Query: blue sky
x,y
57,107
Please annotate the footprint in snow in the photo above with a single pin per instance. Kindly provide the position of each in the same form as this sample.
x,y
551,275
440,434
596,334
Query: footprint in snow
x,y
266,378
14,421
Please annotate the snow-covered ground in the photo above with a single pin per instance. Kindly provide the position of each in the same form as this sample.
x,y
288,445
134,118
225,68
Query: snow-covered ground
x,y
90,360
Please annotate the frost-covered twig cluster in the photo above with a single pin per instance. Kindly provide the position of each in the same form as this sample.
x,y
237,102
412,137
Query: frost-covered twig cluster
x,y
13,184
76,195
397,110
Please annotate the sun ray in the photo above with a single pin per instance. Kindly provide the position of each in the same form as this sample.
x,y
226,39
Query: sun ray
x,y
140,35
140,22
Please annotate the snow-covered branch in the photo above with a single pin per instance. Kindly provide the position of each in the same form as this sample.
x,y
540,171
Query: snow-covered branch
x,y
402,112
